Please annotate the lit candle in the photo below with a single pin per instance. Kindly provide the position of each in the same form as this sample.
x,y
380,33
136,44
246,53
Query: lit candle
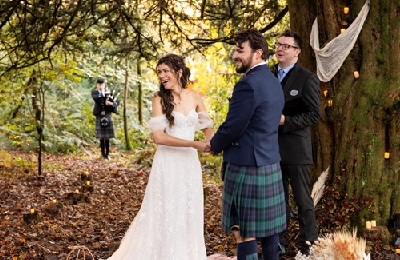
x,y
88,183
76,191
32,211
356,74
54,201
387,155
373,223
342,30
346,10
325,93
368,224
330,102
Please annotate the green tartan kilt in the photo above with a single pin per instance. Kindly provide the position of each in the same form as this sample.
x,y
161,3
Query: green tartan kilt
x,y
254,199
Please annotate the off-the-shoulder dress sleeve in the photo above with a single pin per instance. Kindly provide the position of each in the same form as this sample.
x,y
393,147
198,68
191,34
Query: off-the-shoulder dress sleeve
x,y
157,123
204,121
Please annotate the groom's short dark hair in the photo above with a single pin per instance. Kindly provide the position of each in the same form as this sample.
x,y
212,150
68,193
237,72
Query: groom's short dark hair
x,y
255,39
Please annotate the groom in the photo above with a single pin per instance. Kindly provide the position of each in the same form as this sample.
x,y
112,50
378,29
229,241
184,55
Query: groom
x,y
253,195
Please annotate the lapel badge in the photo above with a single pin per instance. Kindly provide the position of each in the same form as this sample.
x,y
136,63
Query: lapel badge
x,y
294,92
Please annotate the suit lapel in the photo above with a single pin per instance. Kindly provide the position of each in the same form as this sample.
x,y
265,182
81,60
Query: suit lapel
x,y
275,70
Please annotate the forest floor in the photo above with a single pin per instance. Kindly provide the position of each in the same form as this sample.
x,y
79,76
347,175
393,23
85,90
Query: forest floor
x,y
68,214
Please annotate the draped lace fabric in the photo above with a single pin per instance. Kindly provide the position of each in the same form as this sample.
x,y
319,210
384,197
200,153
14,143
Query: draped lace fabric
x,y
331,57
204,121
169,224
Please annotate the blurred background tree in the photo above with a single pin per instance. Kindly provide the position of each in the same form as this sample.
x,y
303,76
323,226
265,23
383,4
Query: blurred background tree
x,y
66,44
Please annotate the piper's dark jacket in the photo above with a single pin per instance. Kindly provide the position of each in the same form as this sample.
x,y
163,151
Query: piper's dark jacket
x,y
99,100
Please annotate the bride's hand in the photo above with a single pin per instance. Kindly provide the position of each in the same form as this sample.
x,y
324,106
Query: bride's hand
x,y
202,146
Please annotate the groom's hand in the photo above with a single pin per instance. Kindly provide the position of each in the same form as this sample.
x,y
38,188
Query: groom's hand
x,y
201,146
208,146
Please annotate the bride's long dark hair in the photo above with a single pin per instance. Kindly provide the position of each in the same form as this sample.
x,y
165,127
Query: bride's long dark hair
x,y
175,63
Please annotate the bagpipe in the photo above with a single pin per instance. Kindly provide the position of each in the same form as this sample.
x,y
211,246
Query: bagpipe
x,y
112,96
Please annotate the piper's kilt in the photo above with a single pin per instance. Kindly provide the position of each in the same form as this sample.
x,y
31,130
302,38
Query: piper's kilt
x,y
254,199
106,132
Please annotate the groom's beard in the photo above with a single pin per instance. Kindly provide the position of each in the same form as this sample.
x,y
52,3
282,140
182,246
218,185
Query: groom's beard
x,y
245,64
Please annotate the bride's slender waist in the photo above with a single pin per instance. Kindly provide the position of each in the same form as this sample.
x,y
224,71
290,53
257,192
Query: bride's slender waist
x,y
175,148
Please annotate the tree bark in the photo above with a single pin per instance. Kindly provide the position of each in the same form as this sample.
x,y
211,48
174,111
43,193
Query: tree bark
x,y
37,109
140,93
128,145
361,125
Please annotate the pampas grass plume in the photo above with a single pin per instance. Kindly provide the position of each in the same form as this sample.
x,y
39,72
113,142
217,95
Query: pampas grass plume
x,y
319,186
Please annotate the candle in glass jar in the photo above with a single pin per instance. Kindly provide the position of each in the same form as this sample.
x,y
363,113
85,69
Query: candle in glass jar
x,y
368,224
373,223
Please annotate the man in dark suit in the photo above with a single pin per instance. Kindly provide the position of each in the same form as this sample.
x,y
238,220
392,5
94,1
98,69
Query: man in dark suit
x,y
300,113
253,196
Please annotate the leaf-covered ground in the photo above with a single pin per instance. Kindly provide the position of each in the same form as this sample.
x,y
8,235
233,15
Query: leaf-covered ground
x,y
65,221
78,215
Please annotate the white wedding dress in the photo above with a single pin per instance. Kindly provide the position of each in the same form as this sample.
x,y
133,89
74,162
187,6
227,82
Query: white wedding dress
x,y
169,224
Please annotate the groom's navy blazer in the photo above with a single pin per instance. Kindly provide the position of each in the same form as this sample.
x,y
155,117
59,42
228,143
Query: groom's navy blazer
x,y
249,135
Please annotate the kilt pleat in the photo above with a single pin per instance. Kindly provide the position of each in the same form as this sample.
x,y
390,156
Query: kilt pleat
x,y
106,132
254,199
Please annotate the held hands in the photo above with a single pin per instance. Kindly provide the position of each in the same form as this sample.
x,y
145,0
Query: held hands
x,y
203,146
208,145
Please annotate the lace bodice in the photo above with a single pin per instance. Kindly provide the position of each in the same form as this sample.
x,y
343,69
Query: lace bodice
x,y
184,125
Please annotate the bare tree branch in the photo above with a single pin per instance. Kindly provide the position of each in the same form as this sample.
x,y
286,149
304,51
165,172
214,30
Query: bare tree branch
x,y
276,20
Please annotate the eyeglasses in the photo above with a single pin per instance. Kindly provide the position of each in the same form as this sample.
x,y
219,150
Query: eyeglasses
x,y
284,46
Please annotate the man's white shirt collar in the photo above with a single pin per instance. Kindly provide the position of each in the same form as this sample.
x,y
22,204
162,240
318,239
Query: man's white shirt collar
x,y
261,63
287,69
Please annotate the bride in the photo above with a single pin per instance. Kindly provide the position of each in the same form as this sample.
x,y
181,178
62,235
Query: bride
x,y
169,224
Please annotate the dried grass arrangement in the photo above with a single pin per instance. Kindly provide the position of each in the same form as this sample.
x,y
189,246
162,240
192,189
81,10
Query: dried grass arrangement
x,y
341,245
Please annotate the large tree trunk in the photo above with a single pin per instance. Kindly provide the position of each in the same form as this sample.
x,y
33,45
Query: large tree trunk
x,y
128,145
38,113
362,124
